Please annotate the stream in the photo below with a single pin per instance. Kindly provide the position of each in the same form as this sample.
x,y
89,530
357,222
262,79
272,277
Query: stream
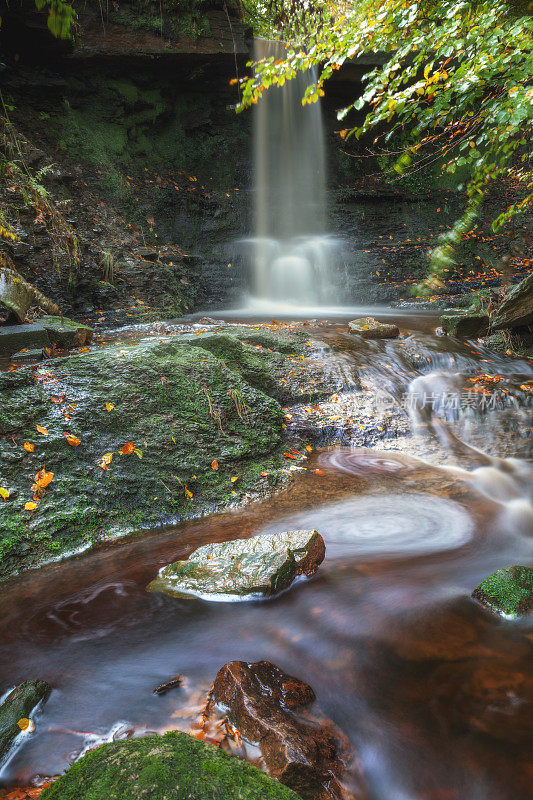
x,y
431,690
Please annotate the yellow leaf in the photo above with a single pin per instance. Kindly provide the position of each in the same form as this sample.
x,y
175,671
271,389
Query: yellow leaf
x,y
109,406
107,458
235,478
31,506
427,71
42,430
309,448
29,447
72,440
26,724
43,478
4,493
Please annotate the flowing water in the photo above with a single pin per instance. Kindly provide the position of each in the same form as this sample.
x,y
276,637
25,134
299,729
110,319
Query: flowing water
x,y
291,253
434,693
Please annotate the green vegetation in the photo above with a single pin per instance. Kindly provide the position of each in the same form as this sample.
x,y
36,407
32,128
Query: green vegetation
x,y
508,591
172,767
179,405
455,90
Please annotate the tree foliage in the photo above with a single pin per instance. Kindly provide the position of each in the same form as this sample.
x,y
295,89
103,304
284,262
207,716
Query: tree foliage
x,y
455,88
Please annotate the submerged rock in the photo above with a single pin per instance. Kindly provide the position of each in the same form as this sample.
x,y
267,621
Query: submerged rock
x,y
370,328
261,565
508,591
305,751
18,705
516,310
466,325
172,767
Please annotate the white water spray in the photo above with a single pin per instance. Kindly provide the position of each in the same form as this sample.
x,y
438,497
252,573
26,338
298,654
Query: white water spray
x,y
291,252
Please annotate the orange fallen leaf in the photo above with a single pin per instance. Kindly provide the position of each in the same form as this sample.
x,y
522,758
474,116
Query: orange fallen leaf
x,y
289,455
26,724
128,449
109,406
264,474
30,506
43,478
318,471
29,447
214,464
42,430
309,448
188,492
72,440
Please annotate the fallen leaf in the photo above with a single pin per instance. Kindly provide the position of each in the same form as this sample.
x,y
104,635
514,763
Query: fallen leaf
x,y
318,471
72,440
30,506
309,448
42,430
109,406
235,478
29,447
43,478
214,464
128,449
188,492
26,724
4,493
264,474
289,455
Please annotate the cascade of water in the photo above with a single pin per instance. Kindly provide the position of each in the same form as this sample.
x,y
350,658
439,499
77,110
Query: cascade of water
x,y
291,251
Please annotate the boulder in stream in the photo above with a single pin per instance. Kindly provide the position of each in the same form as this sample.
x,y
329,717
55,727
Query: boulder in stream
x,y
467,326
507,592
19,704
175,766
304,750
262,565
516,310
370,328
17,295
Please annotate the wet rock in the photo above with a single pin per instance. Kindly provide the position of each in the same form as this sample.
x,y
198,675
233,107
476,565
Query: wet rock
x,y
262,565
171,767
66,333
14,338
370,328
516,310
508,591
268,708
17,295
173,683
19,704
28,356
466,326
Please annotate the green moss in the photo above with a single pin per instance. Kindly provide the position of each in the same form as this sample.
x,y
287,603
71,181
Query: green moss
x,y
173,767
179,404
508,591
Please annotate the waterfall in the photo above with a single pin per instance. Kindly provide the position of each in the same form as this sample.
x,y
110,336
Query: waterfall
x,y
291,253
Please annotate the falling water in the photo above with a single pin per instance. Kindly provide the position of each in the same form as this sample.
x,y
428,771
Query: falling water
x,y
291,251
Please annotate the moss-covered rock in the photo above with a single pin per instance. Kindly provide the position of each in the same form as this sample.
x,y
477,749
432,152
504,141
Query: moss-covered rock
x,y
180,406
66,333
172,767
261,565
508,591
18,705
465,325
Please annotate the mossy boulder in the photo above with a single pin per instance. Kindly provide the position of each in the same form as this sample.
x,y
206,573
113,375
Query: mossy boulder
x,y
465,326
262,565
172,767
179,405
66,333
19,704
508,591
516,310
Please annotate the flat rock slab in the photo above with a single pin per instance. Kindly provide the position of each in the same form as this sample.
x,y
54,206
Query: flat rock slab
x,y
466,325
260,566
18,705
370,328
508,591
302,749
516,310
66,333
21,337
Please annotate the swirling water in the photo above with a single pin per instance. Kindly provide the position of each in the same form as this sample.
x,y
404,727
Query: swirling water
x,y
400,656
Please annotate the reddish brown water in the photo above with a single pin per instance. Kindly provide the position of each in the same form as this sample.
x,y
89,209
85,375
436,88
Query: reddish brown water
x,y
431,689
